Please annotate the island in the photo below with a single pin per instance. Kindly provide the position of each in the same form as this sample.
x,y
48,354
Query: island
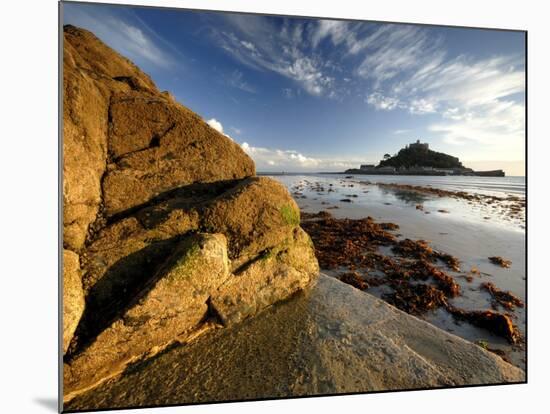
x,y
418,159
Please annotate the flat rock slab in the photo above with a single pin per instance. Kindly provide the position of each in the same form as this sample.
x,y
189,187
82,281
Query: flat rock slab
x,y
330,339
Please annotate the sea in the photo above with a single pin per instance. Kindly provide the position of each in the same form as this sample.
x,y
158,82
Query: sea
x,y
498,186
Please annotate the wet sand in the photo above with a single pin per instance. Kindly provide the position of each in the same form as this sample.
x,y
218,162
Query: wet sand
x,y
470,231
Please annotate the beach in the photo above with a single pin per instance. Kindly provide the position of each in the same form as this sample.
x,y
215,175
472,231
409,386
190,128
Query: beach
x,y
187,275
472,230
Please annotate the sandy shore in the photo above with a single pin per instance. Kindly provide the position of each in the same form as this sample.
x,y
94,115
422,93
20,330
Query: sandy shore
x,y
469,230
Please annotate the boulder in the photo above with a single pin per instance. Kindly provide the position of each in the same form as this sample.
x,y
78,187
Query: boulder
x,y
275,275
169,306
256,215
73,296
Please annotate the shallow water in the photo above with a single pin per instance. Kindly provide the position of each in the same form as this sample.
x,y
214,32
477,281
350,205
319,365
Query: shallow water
x,y
470,231
483,185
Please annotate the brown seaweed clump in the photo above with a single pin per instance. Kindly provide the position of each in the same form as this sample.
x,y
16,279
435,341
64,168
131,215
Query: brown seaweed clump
x,y
420,249
353,279
501,297
389,226
344,242
499,261
422,270
495,322
416,299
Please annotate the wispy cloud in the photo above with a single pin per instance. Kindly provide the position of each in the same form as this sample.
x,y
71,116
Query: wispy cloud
x,y
396,49
475,99
499,124
124,33
236,80
260,44
385,103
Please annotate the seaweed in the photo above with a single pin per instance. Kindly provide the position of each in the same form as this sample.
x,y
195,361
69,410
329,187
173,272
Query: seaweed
x,y
499,261
353,279
416,299
495,322
500,297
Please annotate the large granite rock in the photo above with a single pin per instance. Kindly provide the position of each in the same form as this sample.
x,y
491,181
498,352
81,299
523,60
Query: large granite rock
x,y
169,231
124,141
329,339
73,296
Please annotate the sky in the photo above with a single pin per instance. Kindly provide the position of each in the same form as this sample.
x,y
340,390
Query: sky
x,y
313,95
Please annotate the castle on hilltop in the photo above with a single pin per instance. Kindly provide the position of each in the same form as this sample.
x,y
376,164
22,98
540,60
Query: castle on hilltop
x,y
424,146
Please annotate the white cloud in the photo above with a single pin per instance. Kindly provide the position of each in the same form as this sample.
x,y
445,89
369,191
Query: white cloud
x,y
382,102
394,49
499,125
217,125
422,106
268,159
337,30
249,45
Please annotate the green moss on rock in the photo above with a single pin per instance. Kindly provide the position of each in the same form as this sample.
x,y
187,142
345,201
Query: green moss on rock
x,y
290,215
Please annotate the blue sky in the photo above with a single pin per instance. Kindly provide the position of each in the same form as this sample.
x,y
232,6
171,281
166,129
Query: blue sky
x,y
324,95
